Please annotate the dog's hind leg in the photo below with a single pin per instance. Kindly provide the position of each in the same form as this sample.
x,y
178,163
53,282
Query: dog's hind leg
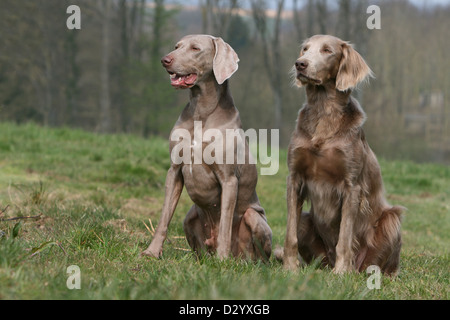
x,y
255,236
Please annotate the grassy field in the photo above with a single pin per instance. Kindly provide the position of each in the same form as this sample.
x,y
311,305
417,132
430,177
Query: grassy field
x,y
95,199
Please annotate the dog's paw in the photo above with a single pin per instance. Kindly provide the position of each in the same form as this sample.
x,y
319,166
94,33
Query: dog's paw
x,y
152,253
291,263
341,268
279,253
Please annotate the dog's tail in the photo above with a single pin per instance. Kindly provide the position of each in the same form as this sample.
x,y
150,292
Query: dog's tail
x,y
388,239
388,225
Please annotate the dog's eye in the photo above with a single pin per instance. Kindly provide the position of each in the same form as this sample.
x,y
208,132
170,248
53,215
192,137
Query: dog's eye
x,y
194,48
305,49
326,50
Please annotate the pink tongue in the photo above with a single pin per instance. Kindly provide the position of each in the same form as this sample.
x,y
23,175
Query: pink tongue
x,y
178,81
190,79
183,81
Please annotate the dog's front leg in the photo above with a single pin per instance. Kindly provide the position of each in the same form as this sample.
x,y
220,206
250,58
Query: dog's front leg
x,y
294,204
173,188
228,204
344,247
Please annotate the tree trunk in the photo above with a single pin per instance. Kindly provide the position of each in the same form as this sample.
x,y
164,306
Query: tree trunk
x,y
322,15
311,19
297,21
344,22
105,103
271,54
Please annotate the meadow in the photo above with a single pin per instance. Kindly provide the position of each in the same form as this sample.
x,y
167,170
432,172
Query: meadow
x,y
69,197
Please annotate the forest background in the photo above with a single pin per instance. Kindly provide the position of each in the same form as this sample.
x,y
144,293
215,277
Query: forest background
x,y
107,77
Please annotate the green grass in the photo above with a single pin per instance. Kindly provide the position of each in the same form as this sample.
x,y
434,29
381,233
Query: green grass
x,y
94,195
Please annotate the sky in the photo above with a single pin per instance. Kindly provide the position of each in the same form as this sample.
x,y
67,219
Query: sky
x,y
419,3
431,2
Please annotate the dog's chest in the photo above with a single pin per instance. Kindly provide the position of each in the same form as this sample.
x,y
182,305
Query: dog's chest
x,y
201,184
320,161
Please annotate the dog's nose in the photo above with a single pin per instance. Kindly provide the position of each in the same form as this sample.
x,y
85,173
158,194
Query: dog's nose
x,y
301,65
166,61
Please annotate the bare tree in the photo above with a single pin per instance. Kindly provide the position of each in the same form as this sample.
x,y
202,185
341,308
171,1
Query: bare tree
x,y
322,15
105,101
271,49
310,18
216,15
316,18
344,22
297,20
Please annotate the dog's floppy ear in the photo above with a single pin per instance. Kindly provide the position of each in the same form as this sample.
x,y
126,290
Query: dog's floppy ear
x,y
225,61
352,69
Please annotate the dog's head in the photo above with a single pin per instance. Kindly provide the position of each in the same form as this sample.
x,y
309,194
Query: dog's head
x,y
197,57
326,59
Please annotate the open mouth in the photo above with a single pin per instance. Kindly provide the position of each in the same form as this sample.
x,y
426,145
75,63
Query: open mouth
x,y
182,81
